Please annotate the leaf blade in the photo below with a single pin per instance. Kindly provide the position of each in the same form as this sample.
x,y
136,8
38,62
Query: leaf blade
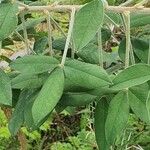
x,y
117,118
84,21
49,95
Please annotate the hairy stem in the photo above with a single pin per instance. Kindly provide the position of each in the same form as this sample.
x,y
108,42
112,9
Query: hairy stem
x,y
25,34
49,27
100,49
63,8
68,37
128,41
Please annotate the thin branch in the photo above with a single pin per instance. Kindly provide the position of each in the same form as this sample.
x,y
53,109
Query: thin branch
x,y
63,8
100,49
49,27
25,34
68,37
112,21
132,54
143,2
128,41
57,25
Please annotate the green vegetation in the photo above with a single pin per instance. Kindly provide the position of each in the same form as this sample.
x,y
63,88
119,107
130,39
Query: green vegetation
x,y
77,80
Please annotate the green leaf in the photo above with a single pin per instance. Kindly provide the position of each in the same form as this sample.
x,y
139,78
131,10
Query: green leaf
x,y
30,23
17,118
35,64
140,48
28,81
90,54
87,22
139,19
76,99
40,45
134,75
5,89
59,44
28,118
85,75
101,112
49,95
118,113
138,96
113,16
8,19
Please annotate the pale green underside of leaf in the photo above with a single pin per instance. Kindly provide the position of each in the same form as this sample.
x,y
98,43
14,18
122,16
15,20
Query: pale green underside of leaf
x,y
140,48
138,19
77,99
138,97
5,89
49,96
118,113
34,64
30,23
28,81
101,112
17,117
87,22
134,75
8,19
86,75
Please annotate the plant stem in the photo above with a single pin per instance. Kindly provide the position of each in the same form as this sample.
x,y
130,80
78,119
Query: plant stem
x,y
68,37
141,3
112,21
132,54
100,48
63,8
49,32
22,140
72,48
25,34
57,25
128,41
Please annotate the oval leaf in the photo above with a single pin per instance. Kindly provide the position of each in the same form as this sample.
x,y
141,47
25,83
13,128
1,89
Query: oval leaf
x,y
5,89
34,64
17,117
101,112
139,19
117,118
49,96
8,19
85,75
138,97
87,22
134,75
76,99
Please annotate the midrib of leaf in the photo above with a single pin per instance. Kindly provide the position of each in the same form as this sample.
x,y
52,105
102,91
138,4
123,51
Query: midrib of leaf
x,y
131,79
137,98
89,74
